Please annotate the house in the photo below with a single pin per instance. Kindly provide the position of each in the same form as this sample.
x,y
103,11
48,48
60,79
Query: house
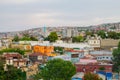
x,y
15,59
95,43
102,55
6,42
75,55
109,43
37,57
92,65
21,46
45,50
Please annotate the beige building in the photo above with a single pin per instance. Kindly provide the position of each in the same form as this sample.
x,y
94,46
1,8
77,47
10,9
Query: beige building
x,y
109,43
95,43
15,59
21,46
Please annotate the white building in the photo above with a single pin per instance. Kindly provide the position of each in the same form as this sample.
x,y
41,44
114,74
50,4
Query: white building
x,y
102,55
94,42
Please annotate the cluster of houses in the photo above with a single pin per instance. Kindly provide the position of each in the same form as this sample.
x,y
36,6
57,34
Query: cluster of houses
x,y
89,56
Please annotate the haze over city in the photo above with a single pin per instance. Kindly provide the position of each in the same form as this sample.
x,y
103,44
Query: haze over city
x,y
18,15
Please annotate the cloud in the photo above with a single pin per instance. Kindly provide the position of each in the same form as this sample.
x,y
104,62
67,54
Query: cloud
x,y
17,14
16,1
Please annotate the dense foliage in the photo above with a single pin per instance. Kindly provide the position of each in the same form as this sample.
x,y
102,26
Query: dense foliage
x,y
78,39
102,68
59,50
22,52
10,73
52,37
113,35
25,38
13,73
116,59
102,34
91,76
58,69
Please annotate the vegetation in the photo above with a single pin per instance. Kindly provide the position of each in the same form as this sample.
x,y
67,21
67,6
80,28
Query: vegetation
x,y
78,39
10,73
16,38
102,68
102,34
58,69
89,33
52,37
116,59
59,50
25,37
13,73
91,76
22,52
111,34
37,76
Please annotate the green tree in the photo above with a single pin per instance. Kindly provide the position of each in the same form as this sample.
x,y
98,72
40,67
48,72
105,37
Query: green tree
x,y
116,59
102,68
78,39
102,34
33,38
89,33
59,50
22,52
52,37
113,35
16,38
91,76
2,61
37,76
13,73
58,69
25,38
10,72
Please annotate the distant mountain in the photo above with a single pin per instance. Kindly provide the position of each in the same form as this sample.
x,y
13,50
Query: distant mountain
x,y
39,32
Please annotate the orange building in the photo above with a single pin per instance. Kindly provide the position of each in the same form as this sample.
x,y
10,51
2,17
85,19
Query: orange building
x,y
45,50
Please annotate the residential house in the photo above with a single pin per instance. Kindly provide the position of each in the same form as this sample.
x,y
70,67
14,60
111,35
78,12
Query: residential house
x,y
16,60
37,57
95,43
109,43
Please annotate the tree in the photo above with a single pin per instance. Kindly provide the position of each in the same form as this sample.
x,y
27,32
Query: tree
x,y
37,76
59,49
102,68
2,61
58,69
33,38
78,39
10,72
102,34
16,38
89,33
13,73
22,52
25,38
52,37
91,76
112,35
116,59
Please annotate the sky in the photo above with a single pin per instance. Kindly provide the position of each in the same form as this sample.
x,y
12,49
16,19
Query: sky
x,y
16,15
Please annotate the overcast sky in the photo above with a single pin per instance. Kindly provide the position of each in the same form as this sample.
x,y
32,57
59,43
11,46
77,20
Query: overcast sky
x,y
25,14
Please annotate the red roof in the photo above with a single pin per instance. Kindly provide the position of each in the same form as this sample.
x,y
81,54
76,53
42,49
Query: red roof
x,y
36,54
75,50
11,55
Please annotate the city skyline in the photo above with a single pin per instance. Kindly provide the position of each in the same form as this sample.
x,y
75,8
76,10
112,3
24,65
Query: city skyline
x,y
18,15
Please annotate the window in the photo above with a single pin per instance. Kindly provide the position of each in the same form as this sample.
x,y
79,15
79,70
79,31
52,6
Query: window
x,y
106,57
75,55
